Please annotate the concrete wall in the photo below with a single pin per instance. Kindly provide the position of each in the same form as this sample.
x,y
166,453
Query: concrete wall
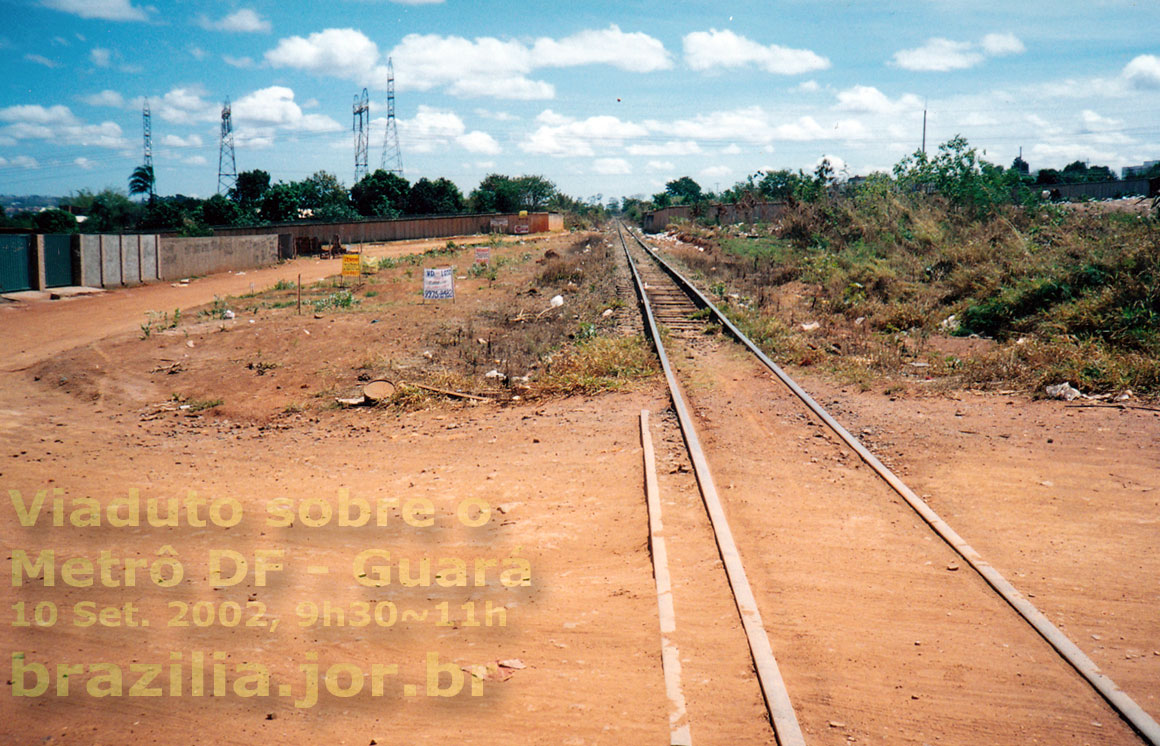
x,y
130,260
1105,189
363,231
89,247
759,212
187,257
110,250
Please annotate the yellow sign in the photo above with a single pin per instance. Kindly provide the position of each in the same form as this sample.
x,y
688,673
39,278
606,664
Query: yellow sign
x,y
351,265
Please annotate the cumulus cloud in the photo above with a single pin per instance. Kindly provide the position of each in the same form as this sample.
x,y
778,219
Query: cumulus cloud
x,y
243,63
185,105
244,21
275,106
101,57
83,163
558,135
941,55
870,100
479,67
59,125
705,50
713,173
434,129
108,10
636,52
174,141
997,45
1143,71
660,166
611,166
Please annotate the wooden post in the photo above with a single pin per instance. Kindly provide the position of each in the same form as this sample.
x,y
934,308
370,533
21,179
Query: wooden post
x,y
299,293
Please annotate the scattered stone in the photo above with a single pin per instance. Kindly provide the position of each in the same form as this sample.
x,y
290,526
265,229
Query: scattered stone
x,y
557,301
952,567
837,724
189,343
493,373
950,324
809,326
379,390
1124,396
271,716
607,313
515,663
228,314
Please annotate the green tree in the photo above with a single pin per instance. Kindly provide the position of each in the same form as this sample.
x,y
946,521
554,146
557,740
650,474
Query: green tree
x,y
280,203
249,188
496,193
957,173
142,181
55,221
534,192
380,194
321,190
108,211
684,190
439,197
217,210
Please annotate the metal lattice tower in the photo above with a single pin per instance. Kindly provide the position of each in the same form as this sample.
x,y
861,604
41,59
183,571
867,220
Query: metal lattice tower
x,y
227,165
392,154
362,109
147,127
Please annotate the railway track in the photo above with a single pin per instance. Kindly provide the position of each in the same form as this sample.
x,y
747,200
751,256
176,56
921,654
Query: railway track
x,y
887,548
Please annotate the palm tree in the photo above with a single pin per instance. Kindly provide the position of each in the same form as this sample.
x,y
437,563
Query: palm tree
x,y
142,181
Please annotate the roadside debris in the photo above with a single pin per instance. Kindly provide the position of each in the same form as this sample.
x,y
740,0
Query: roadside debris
x,y
1064,391
557,301
809,326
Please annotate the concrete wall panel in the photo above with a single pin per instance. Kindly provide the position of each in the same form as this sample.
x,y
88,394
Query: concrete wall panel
x,y
110,261
188,257
130,260
148,258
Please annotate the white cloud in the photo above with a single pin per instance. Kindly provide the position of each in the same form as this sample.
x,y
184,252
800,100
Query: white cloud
x,y
479,142
870,100
1093,122
660,166
636,52
101,57
108,10
563,136
705,50
194,160
715,173
243,63
242,21
733,149
59,125
745,125
434,129
611,166
1062,153
997,45
275,106
939,55
185,106
499,116
174,141
83,163
808,86
470,68
480,67
1143,71
20,161
105,98
42,60
672,147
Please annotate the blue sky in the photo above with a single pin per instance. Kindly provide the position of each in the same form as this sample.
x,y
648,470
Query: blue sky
x,y
611,98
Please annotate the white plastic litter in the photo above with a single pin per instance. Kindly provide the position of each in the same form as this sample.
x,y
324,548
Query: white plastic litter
x,y
557,301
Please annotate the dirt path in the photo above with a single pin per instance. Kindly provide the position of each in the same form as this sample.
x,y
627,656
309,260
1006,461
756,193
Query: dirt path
x,y
33,331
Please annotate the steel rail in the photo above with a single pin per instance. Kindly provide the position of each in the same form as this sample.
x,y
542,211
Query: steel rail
x,y
777,703
1127,708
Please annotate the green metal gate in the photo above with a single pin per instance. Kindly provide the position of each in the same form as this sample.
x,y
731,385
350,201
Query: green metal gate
x,y
15,263
58,267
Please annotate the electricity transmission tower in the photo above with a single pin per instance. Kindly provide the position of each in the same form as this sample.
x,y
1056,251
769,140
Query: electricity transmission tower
x,y
362,108
392,154
227,166
147,127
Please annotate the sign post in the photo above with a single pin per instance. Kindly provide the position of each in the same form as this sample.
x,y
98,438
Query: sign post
x,y
483,254
351,266
439,284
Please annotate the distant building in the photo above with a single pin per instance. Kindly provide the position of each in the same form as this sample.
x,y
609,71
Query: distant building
x,y
1131,172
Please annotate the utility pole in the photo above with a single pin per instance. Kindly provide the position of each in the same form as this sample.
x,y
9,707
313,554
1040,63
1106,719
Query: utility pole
x,y
392,154
147,127
361,109
924,128
227,165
